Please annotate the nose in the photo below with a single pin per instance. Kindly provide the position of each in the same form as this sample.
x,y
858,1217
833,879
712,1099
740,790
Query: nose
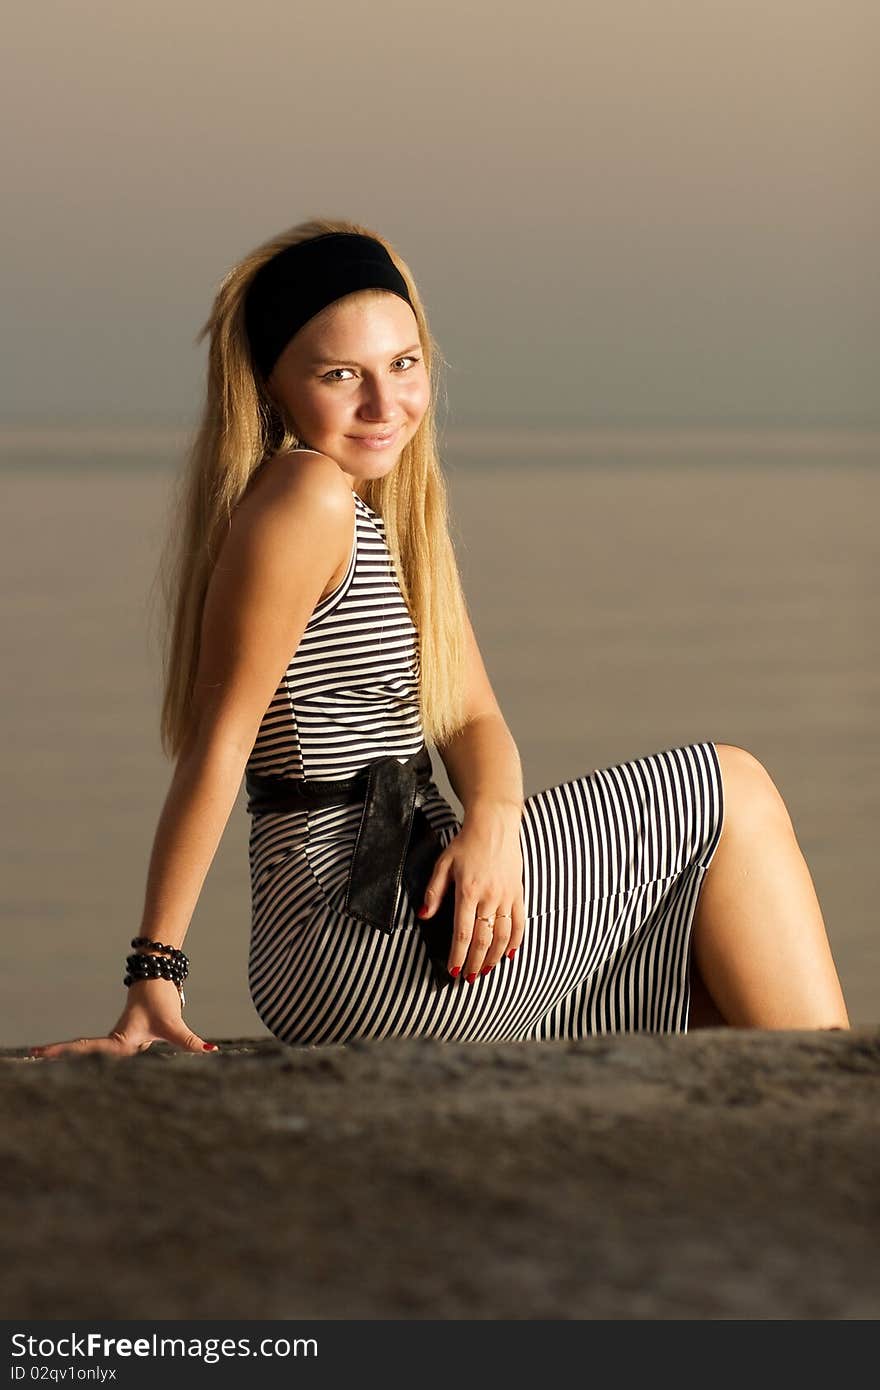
x,y
379,402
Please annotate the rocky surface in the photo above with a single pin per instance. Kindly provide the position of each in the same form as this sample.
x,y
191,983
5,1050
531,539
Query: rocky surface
x,y
725,1174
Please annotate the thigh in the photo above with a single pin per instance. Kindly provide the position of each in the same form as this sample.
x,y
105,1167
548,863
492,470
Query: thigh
x,y
618,828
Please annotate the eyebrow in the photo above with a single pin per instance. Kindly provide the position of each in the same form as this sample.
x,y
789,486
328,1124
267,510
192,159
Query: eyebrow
x,y
337,361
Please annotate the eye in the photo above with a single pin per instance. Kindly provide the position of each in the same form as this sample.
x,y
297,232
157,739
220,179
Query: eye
x,y
333,378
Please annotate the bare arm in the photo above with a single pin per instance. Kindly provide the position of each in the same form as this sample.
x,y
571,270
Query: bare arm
x,y
203,791
282,548
484,861
284,544
482,760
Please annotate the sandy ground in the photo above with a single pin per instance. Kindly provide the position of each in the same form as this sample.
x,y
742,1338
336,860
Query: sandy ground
x,y
720,1175
643,607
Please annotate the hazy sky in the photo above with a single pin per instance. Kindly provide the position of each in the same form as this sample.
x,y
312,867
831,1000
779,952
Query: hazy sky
x,y
663,211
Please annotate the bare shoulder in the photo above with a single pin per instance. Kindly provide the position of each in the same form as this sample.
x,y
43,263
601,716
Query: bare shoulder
x,y
293,525
294,497
306,476
284,546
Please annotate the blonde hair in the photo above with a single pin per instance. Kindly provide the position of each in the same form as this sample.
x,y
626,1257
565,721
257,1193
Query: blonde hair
x,y
241,427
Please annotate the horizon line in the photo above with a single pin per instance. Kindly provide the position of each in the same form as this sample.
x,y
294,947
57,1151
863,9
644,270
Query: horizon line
x,y
136,438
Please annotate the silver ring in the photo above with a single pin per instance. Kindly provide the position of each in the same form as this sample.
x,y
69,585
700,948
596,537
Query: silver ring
x,y
484,919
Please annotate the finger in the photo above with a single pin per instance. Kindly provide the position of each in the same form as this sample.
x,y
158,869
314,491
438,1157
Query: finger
x,y
436,889
500,938
464,911
173,1031
79,1047
518,926
123,1045
188,1041
482,936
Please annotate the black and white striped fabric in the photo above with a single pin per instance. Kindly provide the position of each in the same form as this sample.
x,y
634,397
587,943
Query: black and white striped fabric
x,y
612,860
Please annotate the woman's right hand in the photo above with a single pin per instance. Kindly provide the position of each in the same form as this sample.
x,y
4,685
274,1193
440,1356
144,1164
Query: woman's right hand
x,y
153,1013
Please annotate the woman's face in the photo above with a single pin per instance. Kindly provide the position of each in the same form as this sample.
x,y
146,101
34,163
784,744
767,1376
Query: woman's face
x,y
351,374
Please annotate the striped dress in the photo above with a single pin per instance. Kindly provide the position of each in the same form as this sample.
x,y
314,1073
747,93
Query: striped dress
x,y
612,860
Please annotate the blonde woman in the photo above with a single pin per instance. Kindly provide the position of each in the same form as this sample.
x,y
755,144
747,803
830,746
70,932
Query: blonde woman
x,y
318,639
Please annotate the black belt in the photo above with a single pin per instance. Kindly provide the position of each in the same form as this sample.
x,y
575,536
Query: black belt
x,y
395,841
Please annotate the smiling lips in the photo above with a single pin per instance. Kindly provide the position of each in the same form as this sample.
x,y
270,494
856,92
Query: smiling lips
x,y
375,441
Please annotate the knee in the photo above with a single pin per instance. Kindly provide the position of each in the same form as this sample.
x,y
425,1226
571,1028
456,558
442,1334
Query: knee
x,y
751,797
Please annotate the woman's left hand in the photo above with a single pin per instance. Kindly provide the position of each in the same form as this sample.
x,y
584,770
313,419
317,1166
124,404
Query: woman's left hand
x,y
484,862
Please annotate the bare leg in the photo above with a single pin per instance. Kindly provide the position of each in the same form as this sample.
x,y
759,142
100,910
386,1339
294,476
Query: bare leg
x,y
759,939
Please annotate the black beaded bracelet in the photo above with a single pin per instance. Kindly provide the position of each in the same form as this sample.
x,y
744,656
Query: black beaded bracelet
x,y
171,965
147,966
156,945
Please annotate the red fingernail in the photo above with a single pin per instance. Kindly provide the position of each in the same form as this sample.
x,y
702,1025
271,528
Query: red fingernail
x,y
209,1047
472,977
510,953
456,970
423,910
486,968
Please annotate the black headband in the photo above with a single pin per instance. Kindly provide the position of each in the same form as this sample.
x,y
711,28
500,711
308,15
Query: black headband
x,y
301,280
